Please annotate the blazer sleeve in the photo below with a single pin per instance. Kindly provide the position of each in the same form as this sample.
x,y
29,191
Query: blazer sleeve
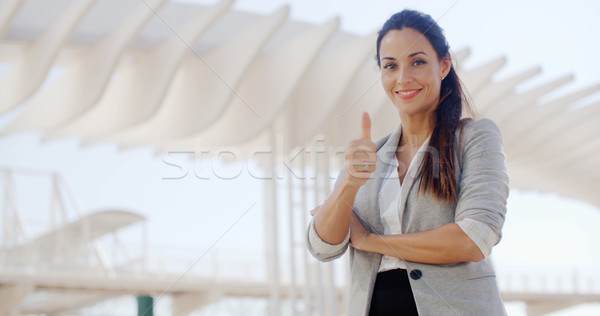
x,y
322,250
483,186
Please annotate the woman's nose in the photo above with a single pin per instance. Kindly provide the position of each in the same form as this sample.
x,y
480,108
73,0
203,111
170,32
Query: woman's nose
x,y
403,75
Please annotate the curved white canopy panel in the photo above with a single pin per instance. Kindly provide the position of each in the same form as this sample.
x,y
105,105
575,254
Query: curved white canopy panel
x,y
263,93
495,91
203,86
253,80
481,76
135,93
8,8
548,129
314,98
514,103
85,79
26,75
460,56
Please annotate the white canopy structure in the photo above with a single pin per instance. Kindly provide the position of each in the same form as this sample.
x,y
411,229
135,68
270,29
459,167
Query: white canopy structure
x,y
190,78
179,76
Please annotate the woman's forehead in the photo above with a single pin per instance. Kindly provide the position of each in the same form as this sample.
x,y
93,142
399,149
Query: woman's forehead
x,y
404,43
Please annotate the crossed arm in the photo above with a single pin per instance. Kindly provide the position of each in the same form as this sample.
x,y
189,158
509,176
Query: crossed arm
x,y
441,245
445,244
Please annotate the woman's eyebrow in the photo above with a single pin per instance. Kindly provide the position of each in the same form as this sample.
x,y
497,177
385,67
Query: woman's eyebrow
x,y
411,55
417,53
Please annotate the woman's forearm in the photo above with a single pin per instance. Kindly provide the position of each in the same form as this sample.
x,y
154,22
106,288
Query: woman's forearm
x,y
445,244
333,217
332,220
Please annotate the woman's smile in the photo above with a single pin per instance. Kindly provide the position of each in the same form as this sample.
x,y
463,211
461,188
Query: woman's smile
x,y
408,93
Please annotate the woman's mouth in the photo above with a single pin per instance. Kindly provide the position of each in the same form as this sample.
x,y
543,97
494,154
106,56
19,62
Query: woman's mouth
x,y
407,94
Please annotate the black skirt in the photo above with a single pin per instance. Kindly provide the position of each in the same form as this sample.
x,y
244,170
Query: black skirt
x,y
392,295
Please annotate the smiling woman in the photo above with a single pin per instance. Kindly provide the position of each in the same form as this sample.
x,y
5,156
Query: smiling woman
x,y
412,80
422,207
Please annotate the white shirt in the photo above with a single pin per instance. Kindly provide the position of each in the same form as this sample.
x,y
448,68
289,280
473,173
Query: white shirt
x,y
389,210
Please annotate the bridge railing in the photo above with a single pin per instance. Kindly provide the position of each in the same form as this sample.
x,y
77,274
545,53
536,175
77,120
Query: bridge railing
x,y
549,280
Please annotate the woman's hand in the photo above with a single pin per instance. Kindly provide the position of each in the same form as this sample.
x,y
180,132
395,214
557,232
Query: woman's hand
x,y
315,210
358,233
361,155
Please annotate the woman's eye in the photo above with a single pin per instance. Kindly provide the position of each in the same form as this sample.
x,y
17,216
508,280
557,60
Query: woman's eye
x,y
419,62
390,66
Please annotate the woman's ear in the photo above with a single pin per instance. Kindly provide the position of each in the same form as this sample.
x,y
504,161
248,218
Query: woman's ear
x,y
446,64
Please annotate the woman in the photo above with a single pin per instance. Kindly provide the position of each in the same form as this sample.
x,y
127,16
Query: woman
x,y
422,207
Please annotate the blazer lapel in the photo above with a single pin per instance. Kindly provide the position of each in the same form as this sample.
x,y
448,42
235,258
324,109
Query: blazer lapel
x,y
409,180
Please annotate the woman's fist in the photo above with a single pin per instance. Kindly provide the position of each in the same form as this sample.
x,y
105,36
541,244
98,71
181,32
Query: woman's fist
x,y
361,155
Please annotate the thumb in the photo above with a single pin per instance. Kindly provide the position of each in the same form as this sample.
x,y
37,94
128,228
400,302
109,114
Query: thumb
x,y
366,126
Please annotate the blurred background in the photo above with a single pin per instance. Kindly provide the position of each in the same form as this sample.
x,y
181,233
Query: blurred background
x,y
161,156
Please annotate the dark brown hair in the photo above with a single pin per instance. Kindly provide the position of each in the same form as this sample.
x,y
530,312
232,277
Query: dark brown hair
x,y
447,117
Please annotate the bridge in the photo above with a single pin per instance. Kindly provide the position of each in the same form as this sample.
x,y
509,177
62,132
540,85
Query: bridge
x,y
81,260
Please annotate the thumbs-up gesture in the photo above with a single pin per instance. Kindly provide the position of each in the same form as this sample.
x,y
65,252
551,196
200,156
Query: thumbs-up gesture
x,y
361,155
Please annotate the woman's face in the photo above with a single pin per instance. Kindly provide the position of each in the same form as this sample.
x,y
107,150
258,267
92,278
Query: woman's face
x,y
411,71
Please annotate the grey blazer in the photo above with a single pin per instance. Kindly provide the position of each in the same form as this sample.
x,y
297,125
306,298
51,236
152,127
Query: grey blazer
x,y
467,288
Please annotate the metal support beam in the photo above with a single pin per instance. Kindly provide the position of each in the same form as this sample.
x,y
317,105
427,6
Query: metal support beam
x,y
292,257
308,299
271,224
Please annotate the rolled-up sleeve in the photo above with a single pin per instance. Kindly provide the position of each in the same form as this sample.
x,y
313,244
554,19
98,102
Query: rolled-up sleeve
x,y
481,234
322,250
483,186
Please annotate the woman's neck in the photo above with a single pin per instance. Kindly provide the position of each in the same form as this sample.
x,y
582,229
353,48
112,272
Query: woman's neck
x,y
415,129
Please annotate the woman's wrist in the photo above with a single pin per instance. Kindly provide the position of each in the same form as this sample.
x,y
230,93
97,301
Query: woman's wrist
x,y
351,182
365,242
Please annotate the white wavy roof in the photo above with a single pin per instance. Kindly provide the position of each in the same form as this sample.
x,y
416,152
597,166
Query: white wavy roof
x,y
180,77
